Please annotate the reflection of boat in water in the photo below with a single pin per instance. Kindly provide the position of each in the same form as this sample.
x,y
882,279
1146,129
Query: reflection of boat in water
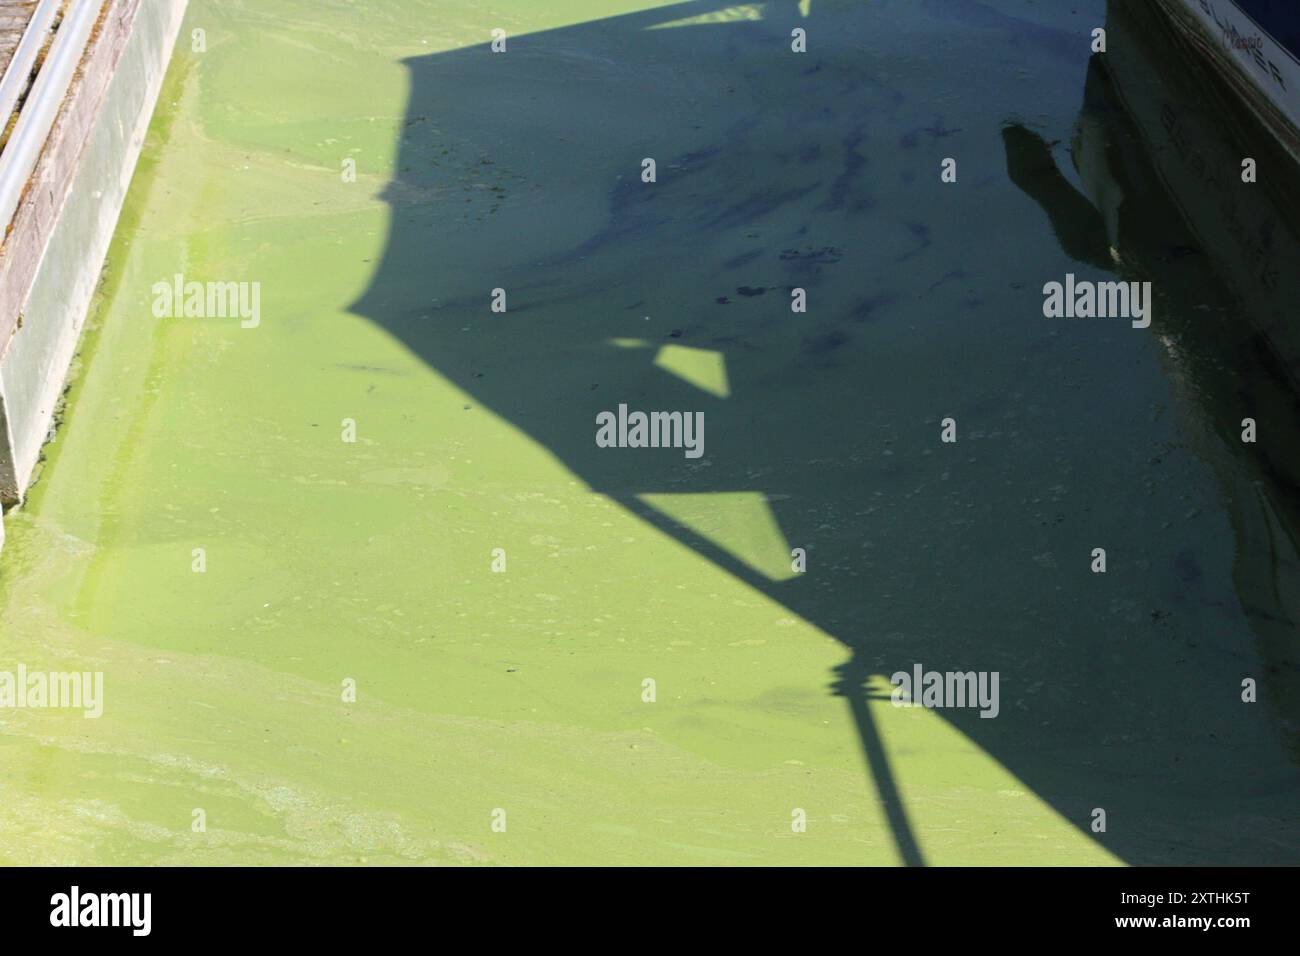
x,y
1255,46
1159,153
1190,136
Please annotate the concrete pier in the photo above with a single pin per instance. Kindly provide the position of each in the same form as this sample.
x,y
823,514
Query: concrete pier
x,y
54,246
14,16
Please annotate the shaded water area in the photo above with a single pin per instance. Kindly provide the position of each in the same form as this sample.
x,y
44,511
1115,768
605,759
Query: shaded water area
x,y
371,561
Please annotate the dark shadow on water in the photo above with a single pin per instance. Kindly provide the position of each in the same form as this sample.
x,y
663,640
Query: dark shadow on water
x,y
521,170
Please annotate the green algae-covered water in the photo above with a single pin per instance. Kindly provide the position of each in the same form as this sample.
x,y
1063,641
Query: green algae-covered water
x,y
363,588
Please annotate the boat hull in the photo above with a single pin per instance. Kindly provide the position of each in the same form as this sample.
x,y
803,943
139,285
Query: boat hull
x,y
1260,63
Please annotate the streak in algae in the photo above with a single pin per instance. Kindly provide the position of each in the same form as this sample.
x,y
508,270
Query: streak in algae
x,y
329,561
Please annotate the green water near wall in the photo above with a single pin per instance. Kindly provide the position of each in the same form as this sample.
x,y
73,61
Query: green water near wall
x,y
371,561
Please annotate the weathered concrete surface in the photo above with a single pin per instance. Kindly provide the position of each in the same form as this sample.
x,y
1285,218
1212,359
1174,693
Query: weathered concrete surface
x,y
51,259
14,15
